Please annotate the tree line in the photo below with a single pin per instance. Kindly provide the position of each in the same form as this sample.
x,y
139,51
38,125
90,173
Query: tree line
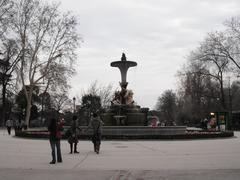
x,y
208,81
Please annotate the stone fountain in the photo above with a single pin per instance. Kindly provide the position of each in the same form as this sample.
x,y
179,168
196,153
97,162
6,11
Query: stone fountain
x,y
123,110
127,120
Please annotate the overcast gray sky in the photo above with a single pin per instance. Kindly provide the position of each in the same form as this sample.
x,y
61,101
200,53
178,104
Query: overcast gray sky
x,y
157,34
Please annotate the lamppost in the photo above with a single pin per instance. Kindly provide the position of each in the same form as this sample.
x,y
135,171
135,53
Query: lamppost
x,y
74,107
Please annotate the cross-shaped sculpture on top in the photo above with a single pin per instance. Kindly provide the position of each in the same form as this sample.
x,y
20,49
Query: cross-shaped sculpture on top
x,y
123,66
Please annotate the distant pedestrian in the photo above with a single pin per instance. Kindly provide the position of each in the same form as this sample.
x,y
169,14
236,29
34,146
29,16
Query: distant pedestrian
x,y
74,133
16,125
55,129
9,124
205,123
202,123
96,125
23,125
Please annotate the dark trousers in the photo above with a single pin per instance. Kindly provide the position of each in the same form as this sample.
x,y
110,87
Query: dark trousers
x,y
56,143
9,130
71,147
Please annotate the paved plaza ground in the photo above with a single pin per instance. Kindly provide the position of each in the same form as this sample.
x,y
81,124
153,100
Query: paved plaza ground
x,y
206,159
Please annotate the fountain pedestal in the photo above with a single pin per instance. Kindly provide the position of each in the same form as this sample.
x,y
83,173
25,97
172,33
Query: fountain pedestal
x,y
123,111
125,115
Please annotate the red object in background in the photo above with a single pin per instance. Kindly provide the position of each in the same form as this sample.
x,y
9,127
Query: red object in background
x,y
154,123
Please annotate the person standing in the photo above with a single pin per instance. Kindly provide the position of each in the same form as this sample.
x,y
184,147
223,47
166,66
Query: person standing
x,y
55,129
9,125
16,125
73,138
23,125
205,123
96,125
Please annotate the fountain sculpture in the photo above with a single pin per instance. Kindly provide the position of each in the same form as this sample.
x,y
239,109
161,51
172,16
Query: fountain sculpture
x,y
123,110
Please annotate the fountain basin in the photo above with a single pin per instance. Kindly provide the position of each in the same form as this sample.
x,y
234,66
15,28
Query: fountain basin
x,y
137,132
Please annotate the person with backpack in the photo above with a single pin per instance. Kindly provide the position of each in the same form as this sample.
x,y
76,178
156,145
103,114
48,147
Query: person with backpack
x,y
73,137
96,125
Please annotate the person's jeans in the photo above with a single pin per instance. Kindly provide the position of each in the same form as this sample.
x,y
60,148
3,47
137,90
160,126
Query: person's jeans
x,y
56,143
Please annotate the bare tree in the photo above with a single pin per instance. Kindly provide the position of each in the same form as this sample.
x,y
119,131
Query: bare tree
x,y
226,43
217,64
105,92
231,46
198,93
10,58
203,80
60,100
7,51
57,86
46,38
5,15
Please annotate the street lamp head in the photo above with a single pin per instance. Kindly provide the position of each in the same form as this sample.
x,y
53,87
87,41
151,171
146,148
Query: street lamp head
x,y
74,107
